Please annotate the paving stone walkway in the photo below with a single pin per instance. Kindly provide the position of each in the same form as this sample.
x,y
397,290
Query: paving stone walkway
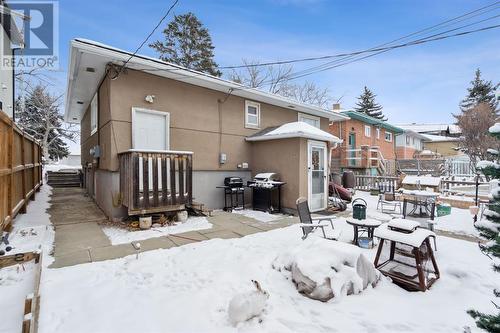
x,y
79,238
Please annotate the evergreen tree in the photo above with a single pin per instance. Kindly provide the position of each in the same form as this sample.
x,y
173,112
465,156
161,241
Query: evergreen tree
x,y
40,117
491,230
187,43
481,91
366,104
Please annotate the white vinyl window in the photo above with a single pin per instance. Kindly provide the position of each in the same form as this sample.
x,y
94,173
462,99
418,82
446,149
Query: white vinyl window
x,y
311,120
377,131
368,131
388,136
252,114
407,140
93,115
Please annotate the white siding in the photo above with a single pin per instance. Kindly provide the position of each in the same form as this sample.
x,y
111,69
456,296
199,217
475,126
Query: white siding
x,y
6,79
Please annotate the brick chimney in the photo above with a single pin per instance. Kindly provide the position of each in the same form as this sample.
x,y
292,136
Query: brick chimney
x,y
336,107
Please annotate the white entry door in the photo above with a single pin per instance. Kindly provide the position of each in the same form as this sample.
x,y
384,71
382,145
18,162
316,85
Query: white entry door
x,y
150,129
317,175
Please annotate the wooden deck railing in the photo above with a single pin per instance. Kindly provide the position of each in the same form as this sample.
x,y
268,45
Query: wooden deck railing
x,y
385,183
152,182
20,170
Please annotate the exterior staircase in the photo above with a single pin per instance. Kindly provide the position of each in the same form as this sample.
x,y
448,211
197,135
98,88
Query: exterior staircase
x,y
70,178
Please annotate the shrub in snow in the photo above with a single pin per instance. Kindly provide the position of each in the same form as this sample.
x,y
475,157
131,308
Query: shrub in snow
x,y
323,269
246,306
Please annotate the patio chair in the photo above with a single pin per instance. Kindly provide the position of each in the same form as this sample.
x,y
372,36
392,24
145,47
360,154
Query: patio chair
x,y
388,206
308,224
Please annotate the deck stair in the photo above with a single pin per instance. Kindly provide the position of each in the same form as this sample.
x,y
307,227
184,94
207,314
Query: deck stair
x,y
69,178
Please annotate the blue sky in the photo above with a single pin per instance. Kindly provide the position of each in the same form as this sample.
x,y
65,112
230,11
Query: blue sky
x,y
416,84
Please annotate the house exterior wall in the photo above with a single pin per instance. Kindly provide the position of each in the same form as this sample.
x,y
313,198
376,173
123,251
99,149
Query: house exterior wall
x,y
407,145
445,148
194,120
287,157
6,78
344,128
199,122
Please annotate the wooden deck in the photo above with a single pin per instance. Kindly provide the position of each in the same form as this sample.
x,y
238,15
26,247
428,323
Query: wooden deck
x,y
153,182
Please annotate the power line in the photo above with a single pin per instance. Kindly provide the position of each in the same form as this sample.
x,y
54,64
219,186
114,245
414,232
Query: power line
x,y
149,36
293,77
426,39
482,10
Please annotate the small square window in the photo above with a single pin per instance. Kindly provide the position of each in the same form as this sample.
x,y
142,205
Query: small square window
x,y
311,120
388,136
368,131
252,114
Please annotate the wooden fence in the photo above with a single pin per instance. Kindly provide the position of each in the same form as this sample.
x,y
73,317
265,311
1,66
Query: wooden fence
x,y
20,170
152,182
384,183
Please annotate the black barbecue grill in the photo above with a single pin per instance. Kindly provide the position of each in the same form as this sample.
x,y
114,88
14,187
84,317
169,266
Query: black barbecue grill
x,y
234,193
266,192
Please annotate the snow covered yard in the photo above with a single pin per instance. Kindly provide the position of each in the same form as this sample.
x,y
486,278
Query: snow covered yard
x,y
458,222
118,235
32,231
188,288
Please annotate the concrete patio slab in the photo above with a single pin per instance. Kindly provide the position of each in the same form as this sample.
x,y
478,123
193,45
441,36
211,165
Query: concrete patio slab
x,y
225,234
79,237
71,259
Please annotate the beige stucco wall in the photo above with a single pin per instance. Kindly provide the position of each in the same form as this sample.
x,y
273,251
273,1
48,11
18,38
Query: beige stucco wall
x,y
288,157
445,148
194,120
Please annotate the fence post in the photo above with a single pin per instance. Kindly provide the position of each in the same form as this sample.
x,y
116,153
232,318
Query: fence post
x,y
23,162
10,197
33,173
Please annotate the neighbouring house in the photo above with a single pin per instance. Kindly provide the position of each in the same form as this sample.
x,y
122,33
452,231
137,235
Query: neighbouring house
x,y
433,129
443,145
11,39
368,145
156,136
409,144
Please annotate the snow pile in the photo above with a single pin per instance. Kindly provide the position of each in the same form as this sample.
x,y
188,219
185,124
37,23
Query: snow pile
x,y
422,180
121,236
322,269
487,164
258,215
245,306
298,129
495,128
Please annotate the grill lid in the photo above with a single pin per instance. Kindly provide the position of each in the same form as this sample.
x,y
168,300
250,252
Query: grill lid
x,y
233,181
267,177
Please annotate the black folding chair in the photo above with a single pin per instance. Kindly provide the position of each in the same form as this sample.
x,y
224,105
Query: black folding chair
x,y
308,224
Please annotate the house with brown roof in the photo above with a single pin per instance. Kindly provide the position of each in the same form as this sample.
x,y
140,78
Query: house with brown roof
x,y
156,136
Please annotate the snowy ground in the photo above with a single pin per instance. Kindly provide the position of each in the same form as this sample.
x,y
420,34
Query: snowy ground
x,y
32,231
121,235
459,221
187,289
259,216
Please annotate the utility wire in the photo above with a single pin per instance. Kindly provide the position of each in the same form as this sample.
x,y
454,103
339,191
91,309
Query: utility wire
x,y
426,39
483,9
147,38
293,77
